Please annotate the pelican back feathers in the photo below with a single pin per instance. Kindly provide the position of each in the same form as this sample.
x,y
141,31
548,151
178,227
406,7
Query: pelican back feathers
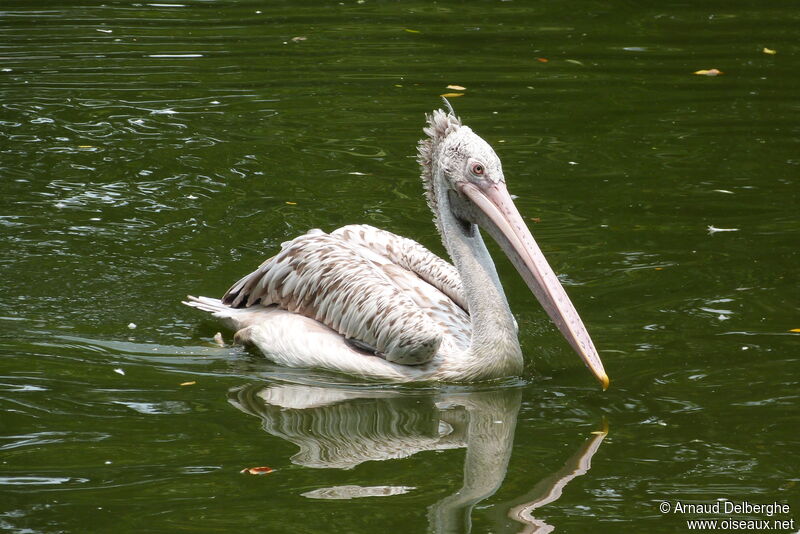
x,y
327,278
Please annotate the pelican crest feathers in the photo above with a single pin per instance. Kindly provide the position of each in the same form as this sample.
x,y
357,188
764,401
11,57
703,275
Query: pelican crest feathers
x,y
440,124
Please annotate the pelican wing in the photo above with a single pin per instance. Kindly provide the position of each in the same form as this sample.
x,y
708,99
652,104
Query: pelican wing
x,y
408,254
353,290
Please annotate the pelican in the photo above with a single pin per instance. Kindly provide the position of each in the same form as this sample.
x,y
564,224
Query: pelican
x,y
367,302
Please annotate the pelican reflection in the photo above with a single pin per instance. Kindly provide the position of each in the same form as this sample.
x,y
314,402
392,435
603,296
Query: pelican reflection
x,y
343,428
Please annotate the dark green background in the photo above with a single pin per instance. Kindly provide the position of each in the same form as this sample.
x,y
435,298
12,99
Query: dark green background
x,y
150,150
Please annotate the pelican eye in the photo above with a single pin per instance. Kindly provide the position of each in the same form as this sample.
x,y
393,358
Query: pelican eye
x,y
478,169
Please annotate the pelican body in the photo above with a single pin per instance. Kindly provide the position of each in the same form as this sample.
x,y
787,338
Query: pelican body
x,y
367,302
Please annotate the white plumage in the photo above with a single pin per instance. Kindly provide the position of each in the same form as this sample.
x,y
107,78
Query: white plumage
x,y
359,282
368,302
366,284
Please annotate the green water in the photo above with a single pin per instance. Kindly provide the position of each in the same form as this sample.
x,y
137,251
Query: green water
x,y
150,150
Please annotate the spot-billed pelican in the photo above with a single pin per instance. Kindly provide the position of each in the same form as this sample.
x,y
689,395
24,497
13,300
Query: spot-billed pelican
x,y
368,302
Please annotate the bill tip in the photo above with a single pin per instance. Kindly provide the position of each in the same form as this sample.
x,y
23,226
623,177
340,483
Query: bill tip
x,y
604,381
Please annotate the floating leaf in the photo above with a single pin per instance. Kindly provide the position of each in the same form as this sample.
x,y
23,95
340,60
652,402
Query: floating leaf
x,y
191,383
542,59
574,62
291,203
769,51
536,219
457,87
659,268
411,31
257,470
299,38
452,95
796,330
709,72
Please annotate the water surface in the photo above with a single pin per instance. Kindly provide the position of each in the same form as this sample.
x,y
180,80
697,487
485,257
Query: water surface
x,y
157,149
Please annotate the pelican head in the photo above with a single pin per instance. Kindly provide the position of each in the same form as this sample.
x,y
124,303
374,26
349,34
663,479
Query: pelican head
x,y
463,174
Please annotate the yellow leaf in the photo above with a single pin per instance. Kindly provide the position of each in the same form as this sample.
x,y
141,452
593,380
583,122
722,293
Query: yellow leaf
x,y
85,146
257,470
457,87
188,383
795,330
709,72
412,31
291,203
452,95
769,51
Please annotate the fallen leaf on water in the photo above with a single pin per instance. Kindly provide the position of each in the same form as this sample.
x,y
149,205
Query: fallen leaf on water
x,y
769,51
659,268
452,95
709,72
85,146
411,31
542,59
457,87
191,383
299,38
795,330
291,203
536,219
257,470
